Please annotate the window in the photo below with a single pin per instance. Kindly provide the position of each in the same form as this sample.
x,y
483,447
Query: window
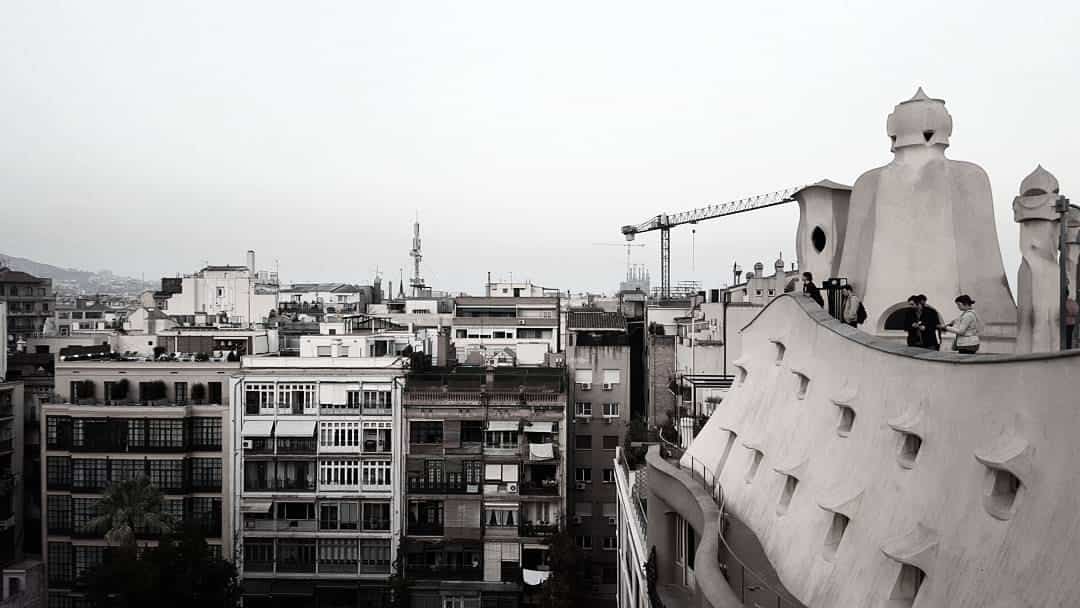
x,y
127,470
426,432
473,471
205,433
61,563
375,401
165,433
611,410
295,511
611,543
501,517
609,475
180,392
82,511
322,351
461,333
472,431
213,391
167,474
221,292
89,474
502,439
258,555
205,473
339,472
583,442
376,516
376,439
296,397
338,555
584,542
136,433
611,442
352,400
609,575
584,409
375,555
339,434
58,432
58,514
58,472
583,474
376,474
258,398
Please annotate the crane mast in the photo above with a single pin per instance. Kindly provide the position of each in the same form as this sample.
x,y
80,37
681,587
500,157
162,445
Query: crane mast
x,y
664,223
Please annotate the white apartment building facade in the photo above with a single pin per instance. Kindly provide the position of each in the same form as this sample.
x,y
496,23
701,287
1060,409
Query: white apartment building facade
x,y
236,293
317,470
506,331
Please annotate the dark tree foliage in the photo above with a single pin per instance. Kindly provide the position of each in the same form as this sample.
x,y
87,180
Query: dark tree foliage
x,y
179,572
567,586
399,583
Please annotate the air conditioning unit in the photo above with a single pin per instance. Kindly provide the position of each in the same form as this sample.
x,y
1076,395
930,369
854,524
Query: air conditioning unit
x,y
249,524
512,488
576,520
248,444
579,485
609,386
612,520
586,386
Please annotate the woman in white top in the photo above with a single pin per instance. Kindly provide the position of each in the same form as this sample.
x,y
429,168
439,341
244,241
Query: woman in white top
x,y
966,327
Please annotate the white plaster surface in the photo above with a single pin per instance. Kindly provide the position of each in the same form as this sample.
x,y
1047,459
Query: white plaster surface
x,y
1011,412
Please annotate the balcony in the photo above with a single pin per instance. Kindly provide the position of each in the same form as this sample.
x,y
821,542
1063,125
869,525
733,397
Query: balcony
x,y
295,445
537,530
454,573
425,528
254,566
541,400
296,525
424,486
261,445
544,487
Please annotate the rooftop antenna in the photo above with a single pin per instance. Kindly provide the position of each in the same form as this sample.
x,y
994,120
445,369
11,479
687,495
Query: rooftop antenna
x,y
693,246
417,282
401,283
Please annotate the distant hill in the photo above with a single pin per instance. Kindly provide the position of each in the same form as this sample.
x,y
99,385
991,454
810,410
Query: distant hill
x,y
74,281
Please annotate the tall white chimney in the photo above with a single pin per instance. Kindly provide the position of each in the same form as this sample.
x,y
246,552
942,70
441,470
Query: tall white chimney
x,y
251,260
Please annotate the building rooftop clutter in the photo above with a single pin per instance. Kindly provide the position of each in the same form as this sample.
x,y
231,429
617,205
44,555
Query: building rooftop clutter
x,y
595,320
532,378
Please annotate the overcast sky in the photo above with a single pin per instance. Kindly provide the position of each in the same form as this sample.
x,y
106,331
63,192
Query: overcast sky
x,y
151,137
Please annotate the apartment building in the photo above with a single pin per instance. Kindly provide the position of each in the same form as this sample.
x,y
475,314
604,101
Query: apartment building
x,y
485,469
237,295
506,331
115,420
318,468
30,302
598,358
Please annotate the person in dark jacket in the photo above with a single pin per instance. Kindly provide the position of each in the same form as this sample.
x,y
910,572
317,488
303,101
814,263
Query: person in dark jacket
x,y
913,322
812,290
931,320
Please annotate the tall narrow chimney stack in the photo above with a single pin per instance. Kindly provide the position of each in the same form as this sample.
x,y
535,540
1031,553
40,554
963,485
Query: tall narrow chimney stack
x,y
251,260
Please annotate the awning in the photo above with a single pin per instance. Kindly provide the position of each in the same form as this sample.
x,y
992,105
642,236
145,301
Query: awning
x,y
255,507
540,427
534,577
541,451
296,428
257,428
502,425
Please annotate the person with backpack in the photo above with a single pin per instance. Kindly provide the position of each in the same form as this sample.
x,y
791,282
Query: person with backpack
x,y
966,326
852,311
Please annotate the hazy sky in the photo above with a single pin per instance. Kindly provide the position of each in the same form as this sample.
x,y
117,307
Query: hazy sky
x,y
150,137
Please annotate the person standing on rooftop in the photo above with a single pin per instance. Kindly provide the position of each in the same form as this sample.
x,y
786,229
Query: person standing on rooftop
x,y
966,327
812,290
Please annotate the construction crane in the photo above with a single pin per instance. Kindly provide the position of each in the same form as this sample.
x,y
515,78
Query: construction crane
x,y
665,222
627,245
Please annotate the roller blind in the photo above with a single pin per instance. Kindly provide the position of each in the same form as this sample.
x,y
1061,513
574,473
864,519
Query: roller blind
x,y
611,376
583,376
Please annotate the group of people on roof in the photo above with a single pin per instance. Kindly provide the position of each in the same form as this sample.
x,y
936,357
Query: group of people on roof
x,y
922,321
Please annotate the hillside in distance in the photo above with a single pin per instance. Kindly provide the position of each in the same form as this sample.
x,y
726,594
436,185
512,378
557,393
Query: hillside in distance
x,y
71,281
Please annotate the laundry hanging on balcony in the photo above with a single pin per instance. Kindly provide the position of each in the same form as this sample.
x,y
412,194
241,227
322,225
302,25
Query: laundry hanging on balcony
x,y
541,451
534,577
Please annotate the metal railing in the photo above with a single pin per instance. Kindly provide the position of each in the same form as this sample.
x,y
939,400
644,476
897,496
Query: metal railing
x,y
751,587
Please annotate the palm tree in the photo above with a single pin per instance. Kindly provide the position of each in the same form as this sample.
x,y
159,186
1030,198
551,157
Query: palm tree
x,y
129,506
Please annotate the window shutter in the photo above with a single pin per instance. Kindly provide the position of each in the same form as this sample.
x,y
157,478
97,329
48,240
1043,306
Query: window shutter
x,y
452,433
583,376
611,376
510,472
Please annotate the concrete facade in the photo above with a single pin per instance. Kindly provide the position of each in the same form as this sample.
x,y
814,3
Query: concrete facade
x,y
30,303
318,477
598,363
116,420
506,331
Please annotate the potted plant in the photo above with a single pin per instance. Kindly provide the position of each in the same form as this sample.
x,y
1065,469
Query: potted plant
x,y
85,390
119,390
198,392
